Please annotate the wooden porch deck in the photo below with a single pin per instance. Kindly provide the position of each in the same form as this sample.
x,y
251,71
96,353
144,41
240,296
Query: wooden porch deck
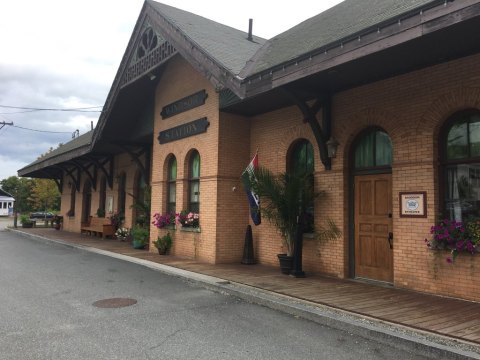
x,y
446,316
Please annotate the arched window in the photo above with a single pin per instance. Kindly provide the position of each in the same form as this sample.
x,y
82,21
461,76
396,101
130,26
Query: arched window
x,y
460,154
301,158
373,151
172,185
194,182
122,193
300,163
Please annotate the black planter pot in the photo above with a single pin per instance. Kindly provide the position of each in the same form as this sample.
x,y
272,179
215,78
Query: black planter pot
x,y
286,263
162,251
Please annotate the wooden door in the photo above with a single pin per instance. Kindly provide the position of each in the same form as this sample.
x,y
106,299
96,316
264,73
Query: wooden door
x,y
373,226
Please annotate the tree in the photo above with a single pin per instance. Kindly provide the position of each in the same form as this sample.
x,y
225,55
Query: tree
x,y
20,189
45,195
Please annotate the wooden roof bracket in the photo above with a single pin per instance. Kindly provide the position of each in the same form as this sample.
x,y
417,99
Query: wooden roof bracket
x,y
322,133
136,155
58,181
91,175
107,171
70,173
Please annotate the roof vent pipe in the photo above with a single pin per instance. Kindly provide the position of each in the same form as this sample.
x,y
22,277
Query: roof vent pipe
x,y
91,124
250,26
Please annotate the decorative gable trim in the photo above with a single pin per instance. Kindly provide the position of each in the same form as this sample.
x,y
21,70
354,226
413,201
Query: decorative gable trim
x,y
218,75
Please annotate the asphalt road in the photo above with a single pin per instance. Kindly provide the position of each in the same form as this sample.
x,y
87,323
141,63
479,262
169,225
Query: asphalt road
x,y
46,312
5,221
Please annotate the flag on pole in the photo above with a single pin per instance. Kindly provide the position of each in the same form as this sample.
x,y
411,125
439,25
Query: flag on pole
x,y
253,199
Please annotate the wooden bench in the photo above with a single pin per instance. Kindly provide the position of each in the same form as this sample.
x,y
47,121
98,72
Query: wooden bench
x,y
97,226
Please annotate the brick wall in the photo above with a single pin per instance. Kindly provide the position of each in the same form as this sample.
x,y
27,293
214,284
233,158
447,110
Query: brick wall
x,y
178,81
234,154
411,108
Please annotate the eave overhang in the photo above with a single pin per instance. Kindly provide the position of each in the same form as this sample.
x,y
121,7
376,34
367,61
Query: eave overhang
x,y
436,33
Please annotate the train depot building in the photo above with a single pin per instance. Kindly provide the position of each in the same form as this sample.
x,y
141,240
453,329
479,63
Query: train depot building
x,y
394,86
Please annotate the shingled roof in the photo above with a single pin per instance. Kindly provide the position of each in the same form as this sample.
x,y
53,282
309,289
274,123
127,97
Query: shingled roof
x,y
229,60
61,153
229,46
343,21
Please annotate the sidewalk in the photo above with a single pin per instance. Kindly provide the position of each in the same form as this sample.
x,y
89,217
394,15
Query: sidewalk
x,y
448,326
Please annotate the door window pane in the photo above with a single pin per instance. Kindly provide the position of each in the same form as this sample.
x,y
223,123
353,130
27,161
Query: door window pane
x,y
364,151
373,149
383,149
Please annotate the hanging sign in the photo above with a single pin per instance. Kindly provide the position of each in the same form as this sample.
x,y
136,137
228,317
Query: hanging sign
x,y
182,131
413,204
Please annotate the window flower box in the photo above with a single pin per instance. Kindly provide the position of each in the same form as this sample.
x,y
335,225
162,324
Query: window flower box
x,y
456,237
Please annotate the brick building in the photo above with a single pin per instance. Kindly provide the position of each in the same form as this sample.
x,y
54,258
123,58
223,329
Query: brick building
x,y
395,83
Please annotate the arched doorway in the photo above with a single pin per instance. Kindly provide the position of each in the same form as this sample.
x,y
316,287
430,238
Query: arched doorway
x,y
372,196
87,201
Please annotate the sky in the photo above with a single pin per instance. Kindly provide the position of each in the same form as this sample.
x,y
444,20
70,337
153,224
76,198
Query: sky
x,y
64,54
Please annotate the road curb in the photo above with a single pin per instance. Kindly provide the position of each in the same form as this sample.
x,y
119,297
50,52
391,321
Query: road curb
x,y
403,337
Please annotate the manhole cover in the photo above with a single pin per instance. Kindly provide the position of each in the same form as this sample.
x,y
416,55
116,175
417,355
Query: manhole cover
x,y
114,303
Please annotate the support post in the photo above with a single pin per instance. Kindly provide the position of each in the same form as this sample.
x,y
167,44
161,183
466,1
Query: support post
x,y
298,249
248,258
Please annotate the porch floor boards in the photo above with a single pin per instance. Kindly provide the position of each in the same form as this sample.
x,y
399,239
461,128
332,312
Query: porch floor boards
x,y
451,317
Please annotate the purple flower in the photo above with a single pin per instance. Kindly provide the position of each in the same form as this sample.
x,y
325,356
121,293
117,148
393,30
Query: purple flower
x,y
470,247
449,260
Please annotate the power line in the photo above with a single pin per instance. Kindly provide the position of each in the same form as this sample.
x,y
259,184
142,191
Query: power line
x,y
3,123
82,109
17,112
45,131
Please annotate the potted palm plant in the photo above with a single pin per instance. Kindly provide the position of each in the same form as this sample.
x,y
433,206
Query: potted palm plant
x,y
284,201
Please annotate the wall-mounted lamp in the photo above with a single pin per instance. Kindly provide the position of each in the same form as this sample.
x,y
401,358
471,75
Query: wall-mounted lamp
x,y
332,146
151,76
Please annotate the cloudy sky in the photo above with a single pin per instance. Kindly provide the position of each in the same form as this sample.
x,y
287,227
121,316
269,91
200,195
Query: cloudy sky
x,y
63,54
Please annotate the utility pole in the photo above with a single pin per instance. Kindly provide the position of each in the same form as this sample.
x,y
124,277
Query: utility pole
x,y
3,123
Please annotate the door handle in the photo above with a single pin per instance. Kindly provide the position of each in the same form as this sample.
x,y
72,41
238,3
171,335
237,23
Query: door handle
x,y
390,239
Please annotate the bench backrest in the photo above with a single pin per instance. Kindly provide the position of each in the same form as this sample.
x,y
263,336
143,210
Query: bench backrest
x,y
97,221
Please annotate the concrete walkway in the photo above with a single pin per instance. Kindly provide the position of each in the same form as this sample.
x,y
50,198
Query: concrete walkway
x,y
447,326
